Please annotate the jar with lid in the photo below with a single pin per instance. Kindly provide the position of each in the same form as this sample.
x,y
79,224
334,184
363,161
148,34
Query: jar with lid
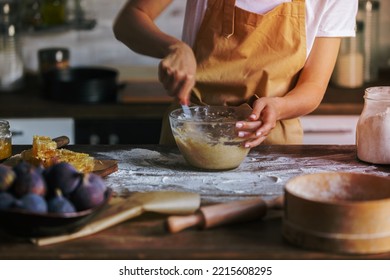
x,y
5,140
349,68
373,127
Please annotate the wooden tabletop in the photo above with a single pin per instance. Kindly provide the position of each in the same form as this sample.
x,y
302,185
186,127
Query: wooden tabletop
x,y
263,173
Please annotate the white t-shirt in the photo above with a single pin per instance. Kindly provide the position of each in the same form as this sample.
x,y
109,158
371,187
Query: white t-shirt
x,y
324,18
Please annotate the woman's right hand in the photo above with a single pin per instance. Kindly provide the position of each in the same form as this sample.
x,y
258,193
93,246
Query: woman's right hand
x,y
177,72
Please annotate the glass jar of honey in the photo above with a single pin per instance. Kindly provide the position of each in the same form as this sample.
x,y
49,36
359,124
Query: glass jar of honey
x,y
5,140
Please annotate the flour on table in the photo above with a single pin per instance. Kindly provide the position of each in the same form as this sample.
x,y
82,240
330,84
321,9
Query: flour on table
x,y
259,175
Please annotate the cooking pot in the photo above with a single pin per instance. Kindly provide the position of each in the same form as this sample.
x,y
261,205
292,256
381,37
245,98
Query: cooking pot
x,y
81,84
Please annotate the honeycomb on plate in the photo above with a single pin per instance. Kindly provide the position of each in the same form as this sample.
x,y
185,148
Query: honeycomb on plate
x,y
44,152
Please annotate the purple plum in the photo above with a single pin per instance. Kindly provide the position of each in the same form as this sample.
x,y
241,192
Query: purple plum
x,y
90,193
28,179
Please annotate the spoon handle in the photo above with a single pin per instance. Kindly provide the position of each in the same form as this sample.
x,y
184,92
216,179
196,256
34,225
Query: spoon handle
x,y
186,111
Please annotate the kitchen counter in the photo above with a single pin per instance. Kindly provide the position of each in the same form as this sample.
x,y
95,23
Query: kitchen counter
x,y
144,168
146,99
30,103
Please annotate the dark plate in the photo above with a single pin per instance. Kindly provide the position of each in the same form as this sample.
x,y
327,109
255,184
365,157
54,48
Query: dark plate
x,y
24,224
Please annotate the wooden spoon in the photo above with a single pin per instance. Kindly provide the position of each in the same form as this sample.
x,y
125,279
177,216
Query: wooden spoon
x,y
164,202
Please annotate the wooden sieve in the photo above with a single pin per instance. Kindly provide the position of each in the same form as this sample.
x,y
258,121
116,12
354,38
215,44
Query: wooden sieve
x,y
339,212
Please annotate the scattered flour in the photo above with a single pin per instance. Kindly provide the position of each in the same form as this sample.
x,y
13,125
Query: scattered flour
x,y
260,174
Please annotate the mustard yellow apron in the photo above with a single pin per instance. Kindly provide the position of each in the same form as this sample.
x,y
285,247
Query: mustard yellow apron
x,y
243,55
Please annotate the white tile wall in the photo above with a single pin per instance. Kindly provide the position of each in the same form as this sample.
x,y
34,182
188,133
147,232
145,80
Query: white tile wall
x,y
99,46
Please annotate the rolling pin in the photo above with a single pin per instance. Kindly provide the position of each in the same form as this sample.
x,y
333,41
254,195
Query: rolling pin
x,y
224,213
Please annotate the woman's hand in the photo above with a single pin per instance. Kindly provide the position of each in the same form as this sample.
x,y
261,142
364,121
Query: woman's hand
x,y
301,100
177,72
261,121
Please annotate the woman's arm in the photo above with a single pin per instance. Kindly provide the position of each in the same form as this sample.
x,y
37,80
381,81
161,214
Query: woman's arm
x,y
135,27
302,100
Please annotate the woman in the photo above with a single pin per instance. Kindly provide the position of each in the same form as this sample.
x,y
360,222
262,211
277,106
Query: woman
x,y
276,56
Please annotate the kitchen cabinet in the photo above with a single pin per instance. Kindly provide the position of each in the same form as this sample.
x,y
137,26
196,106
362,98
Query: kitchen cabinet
x,y
141,104
23,129
121,131
134,119
318,129
332,129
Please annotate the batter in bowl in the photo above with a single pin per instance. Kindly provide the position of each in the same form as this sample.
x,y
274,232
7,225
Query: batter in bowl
x,y
201,152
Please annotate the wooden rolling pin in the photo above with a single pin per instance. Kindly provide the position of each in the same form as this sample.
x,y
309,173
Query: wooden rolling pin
x,y
224,213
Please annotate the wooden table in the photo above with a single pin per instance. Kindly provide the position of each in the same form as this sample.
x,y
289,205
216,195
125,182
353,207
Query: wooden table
x,y
145,237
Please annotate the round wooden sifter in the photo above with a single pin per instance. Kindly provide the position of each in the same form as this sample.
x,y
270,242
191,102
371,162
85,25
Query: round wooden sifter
x,y
340,212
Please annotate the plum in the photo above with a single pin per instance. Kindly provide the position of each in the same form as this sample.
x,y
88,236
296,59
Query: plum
x,y
93,179
33,202
90,193
28,179
7,177
60,204
7,200
63,176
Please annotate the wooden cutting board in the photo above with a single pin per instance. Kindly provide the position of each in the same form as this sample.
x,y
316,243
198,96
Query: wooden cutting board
x,y
103,167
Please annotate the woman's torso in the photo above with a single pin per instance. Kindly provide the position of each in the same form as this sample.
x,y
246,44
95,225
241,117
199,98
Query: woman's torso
x,y
324,18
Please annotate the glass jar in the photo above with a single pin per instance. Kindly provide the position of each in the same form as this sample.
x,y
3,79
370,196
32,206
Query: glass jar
x,y
31,16
53,12
5,140
349,68
373,127
53,58
11,61
369,14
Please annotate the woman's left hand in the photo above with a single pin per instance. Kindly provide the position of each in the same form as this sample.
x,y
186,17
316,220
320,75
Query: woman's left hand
x,y
261,122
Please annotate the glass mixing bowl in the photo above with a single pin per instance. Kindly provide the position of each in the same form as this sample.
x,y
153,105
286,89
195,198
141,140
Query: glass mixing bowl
x,y
208,138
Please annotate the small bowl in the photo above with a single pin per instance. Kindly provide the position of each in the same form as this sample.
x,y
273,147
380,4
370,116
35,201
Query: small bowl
x,y
338,212
25,224
208,138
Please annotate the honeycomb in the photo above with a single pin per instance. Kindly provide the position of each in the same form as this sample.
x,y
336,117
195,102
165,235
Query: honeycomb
x,y
44,152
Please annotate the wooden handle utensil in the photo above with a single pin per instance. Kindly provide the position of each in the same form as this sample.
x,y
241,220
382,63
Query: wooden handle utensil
x,y
164,202
224,213
61,141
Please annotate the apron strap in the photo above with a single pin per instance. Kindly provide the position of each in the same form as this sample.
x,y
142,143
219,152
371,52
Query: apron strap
x,y
228,18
